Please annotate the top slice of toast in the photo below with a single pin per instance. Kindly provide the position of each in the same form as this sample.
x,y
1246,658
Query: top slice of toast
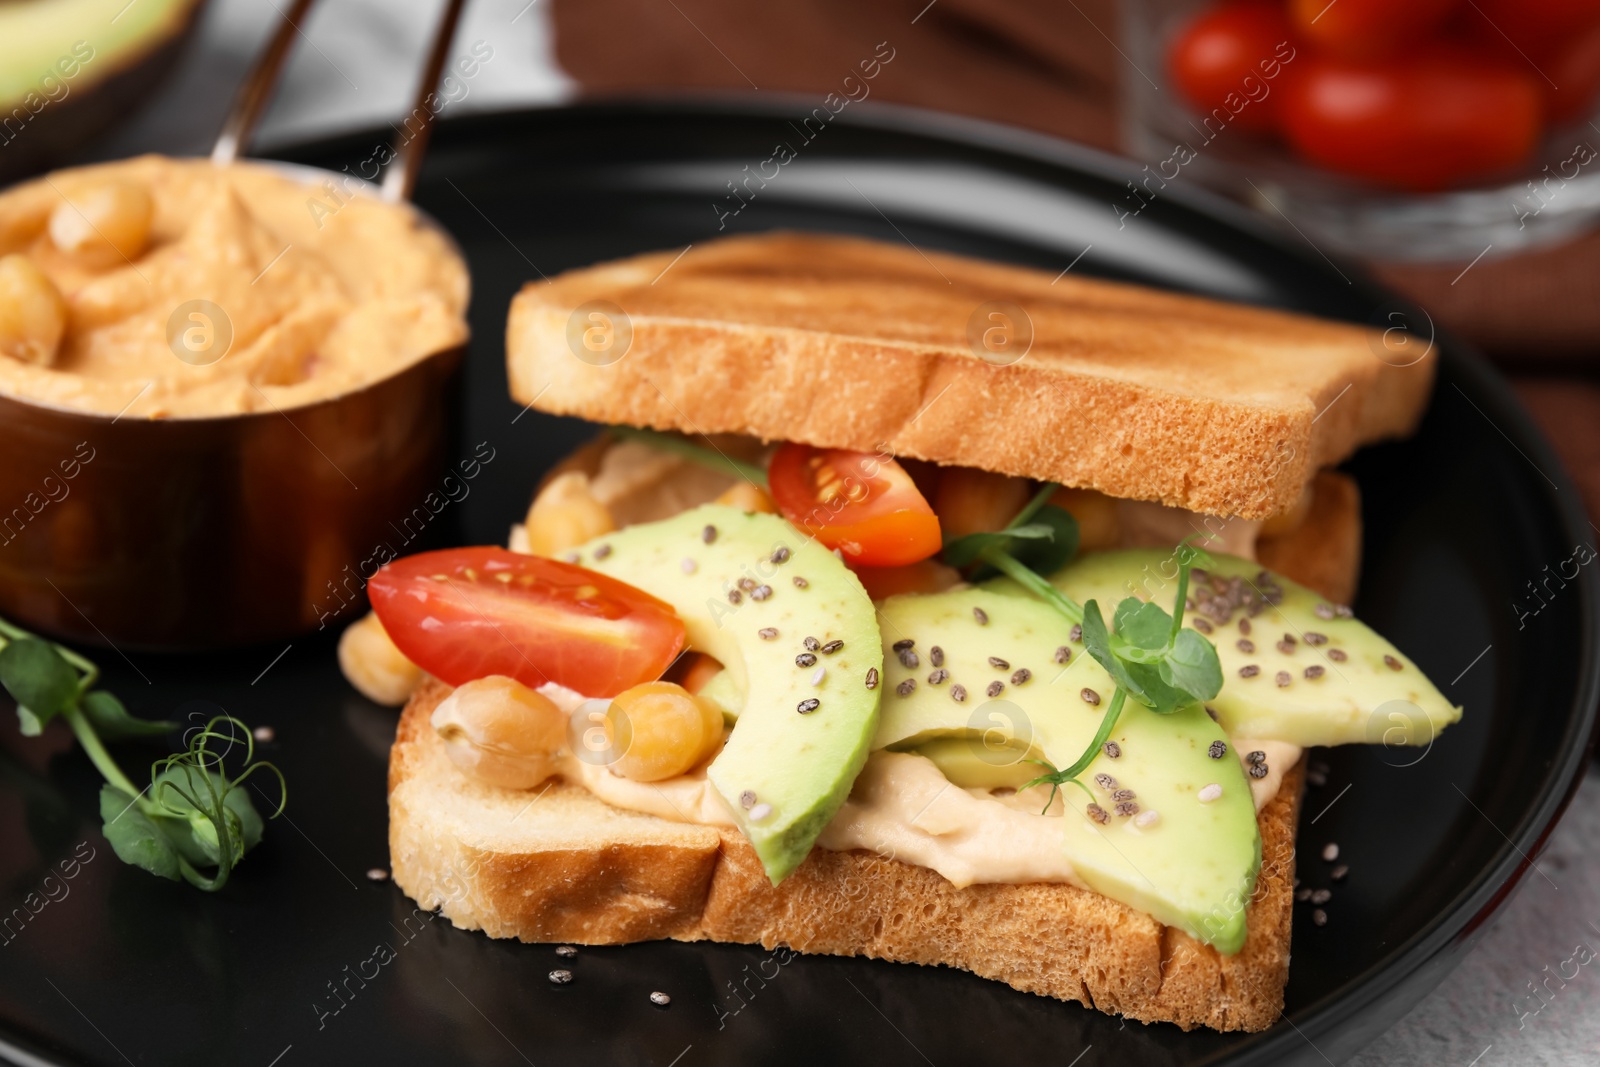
x,y
847,343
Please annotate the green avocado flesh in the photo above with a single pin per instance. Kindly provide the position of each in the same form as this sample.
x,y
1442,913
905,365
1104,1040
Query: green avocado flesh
x,y
1194,868
800,767
1372,695
49,49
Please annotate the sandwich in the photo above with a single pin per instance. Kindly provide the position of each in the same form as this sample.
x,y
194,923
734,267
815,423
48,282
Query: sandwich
x,y
908,606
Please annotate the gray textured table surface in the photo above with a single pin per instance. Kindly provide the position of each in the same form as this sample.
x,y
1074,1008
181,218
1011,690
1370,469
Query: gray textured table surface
x,y
1528,992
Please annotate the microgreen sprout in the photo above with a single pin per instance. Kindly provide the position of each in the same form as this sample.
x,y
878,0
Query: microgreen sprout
x,y
193,821
1147,652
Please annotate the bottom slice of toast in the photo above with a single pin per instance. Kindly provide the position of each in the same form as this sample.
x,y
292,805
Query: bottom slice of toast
x,y
558,864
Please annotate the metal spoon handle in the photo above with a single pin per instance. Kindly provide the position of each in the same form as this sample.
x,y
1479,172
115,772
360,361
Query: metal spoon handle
x,y
411,144
251,100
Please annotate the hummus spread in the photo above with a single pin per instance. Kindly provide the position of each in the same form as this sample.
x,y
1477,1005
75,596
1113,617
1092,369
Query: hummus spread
x,y
902,807
252,292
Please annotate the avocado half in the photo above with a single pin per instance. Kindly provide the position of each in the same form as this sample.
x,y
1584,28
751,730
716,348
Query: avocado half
x,y
71,68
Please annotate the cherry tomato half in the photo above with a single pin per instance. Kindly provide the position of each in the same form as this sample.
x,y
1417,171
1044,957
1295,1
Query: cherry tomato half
x,y
1421,121
1366,29
1235,50
863,504
466,613
1573,66
1532,26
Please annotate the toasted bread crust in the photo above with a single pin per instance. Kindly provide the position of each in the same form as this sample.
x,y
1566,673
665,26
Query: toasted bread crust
x,y
845,343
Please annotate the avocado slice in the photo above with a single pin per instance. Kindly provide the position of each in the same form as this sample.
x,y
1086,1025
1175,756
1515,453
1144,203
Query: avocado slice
x,y
756,593
1345,683
1194,867
69,68
971,764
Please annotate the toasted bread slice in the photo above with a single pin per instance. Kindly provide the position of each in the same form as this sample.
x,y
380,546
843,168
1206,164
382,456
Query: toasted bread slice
x,y
558,864
846,343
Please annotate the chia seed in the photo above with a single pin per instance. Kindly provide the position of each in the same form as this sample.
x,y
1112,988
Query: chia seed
x,y
1124,794
1090,697
566,952
660,999
780,555
1200,624
1330,852
981,616
903,644
761,592
1315,671
1112,750
996,688
1319,917
1392,663
1314,639
1020,676
832,646
1339,873
808,705
1249,670
767,633
907,687
1126,807
709,534
801,583
1147,818
1245,645
1283,679
958,693
1218,749
1105,781
377,874
1097,813
560,976
999,664
872,677
821,673
747,799
909,660
1244,627
1337,655
812,644
1343,611
1323,611
936,656
1257,756
1210,793
1075,634
1321,896
734,596
938,677
1258,770
1302,895
1286,646
1063,654
747,584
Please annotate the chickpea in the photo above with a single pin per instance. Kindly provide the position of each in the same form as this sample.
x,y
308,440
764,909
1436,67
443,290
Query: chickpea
x,y
371,662
33,316
748,497
1098,525
662,730
1287,522
972,501
501,732
104,227
564,515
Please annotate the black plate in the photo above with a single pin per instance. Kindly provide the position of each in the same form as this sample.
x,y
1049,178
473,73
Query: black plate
x,y
122,967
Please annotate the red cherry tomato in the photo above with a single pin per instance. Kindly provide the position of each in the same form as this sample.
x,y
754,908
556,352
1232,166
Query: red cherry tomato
x,y
465,613
1233,51
864,505
1421,121
1366,29
1574,68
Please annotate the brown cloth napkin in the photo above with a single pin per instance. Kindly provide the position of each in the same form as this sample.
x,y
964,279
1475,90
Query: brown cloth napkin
x,y
1055,66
